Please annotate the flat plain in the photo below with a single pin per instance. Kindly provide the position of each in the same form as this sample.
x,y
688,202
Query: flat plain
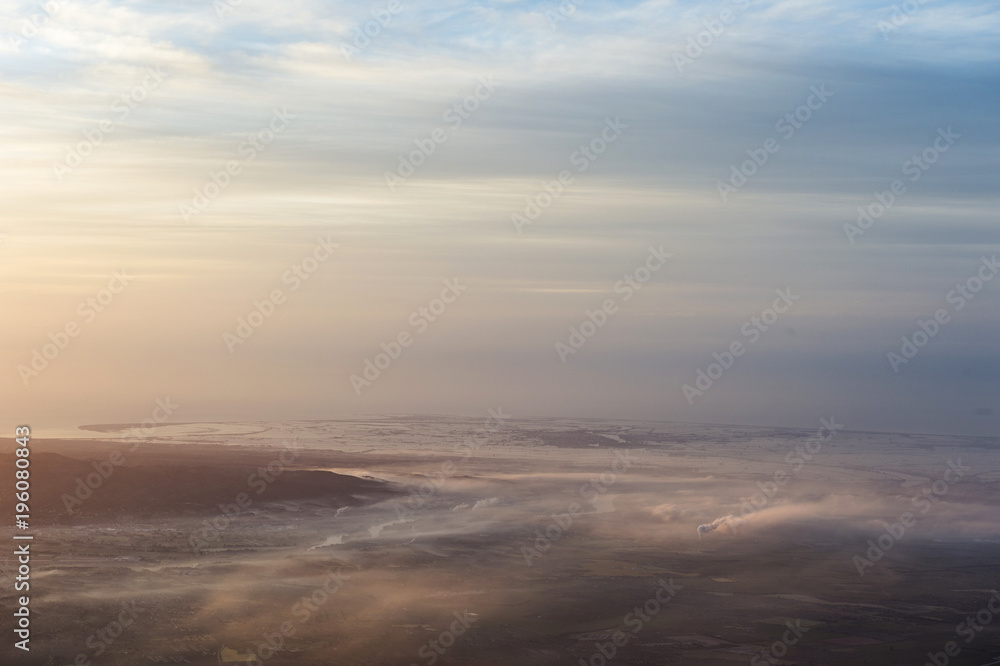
x,y
476,541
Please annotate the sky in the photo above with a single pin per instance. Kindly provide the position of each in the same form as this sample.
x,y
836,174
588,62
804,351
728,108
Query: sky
x,y
508,167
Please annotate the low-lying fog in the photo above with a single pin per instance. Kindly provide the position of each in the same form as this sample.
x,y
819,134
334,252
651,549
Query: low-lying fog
x,y
535,542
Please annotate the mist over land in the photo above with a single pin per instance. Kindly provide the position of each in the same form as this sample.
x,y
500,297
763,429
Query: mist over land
x,y
529,541
729,268
891,85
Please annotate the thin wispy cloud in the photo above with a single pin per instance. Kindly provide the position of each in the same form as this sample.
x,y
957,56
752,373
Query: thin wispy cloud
x,y
366,85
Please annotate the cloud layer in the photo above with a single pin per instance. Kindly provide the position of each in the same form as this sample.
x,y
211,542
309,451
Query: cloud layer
x,y
81,71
